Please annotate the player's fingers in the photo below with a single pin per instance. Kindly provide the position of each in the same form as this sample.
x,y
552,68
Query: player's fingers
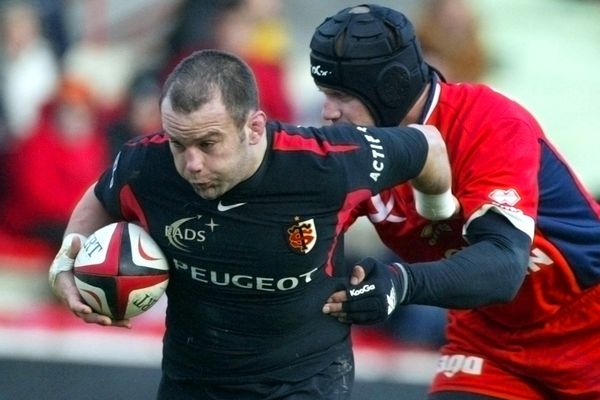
x,y
99,319
79,308
94,318
68,292
338,297
340,315
124,323
332,308
334,302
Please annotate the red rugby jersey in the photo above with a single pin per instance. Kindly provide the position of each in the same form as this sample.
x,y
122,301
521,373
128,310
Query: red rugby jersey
x,y
501,161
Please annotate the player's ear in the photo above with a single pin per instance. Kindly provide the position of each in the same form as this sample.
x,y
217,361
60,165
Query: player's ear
x,y
256,123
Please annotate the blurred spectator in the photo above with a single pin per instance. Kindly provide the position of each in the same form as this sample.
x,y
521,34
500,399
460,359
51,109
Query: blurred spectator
x,y
252,29
28,66
450,37
256,31
53,166
107,67
112,42
141,115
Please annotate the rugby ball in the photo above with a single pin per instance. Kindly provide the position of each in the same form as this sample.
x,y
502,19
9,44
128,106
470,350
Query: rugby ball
x,y
121,271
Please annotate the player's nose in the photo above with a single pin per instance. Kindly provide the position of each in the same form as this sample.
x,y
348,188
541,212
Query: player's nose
x,y
194,159
330,110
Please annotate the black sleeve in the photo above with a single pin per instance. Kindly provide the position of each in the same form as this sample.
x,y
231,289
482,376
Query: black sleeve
x,y
490,270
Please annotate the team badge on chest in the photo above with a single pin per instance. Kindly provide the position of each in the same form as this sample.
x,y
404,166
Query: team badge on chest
x,y
302,236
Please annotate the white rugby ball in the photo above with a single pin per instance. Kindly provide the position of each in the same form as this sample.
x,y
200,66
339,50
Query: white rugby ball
x,y
121,271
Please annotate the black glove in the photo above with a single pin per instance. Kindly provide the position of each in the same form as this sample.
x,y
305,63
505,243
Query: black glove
x,y
375,298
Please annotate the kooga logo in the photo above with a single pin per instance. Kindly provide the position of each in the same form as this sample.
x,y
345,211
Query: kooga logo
x,y
362,290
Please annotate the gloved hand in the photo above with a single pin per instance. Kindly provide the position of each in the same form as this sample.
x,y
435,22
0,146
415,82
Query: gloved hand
x,y
375,298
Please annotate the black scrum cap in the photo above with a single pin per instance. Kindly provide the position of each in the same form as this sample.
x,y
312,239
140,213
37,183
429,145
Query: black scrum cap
x,y
372,53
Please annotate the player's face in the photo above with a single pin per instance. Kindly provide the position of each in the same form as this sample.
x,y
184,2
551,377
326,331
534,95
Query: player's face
x,y
340,107
209,150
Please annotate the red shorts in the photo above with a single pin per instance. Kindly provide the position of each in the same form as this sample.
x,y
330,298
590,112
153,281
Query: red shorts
x,y
557,359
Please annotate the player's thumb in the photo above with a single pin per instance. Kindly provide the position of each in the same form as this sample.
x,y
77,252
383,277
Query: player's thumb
x,y
358,275
75,245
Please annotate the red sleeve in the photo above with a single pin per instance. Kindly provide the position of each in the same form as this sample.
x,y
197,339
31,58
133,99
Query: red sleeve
x,y
497,167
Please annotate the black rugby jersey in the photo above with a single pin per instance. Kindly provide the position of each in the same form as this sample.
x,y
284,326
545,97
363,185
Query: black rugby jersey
x,y
251,270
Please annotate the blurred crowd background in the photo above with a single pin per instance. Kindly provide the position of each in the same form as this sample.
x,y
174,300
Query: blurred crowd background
x,y
80,77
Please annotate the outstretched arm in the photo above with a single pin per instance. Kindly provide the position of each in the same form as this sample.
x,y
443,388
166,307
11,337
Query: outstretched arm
x,y
489,271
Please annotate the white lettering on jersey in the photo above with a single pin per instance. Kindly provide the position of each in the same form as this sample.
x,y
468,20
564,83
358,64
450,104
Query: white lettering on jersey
x,y
376,153
221,278
384,210
180,237
451,365
537,260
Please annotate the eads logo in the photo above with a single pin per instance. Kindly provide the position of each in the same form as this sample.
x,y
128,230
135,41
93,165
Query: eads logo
x,y
302,236
185,231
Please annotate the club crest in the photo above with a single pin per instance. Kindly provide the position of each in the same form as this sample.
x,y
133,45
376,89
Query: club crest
x,y
302,236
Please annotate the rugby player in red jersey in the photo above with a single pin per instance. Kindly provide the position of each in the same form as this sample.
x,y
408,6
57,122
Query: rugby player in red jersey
x,y
518,267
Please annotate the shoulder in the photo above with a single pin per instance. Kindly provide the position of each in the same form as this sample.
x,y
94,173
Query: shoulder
x,y
478,94
156,143
326,139
483,105
145,153
155,140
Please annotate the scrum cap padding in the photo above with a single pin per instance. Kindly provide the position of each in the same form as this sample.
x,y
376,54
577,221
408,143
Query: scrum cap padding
x,y
372,53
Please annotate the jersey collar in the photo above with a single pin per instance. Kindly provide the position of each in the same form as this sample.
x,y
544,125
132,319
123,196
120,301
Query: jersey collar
x,y
432,99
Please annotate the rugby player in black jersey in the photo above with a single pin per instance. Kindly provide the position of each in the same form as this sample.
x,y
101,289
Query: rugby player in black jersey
x,y
251,216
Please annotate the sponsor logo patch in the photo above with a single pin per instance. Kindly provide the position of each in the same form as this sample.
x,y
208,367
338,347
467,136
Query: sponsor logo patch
x,y
508,197
182,233
362,290
319,71
222,207
451,365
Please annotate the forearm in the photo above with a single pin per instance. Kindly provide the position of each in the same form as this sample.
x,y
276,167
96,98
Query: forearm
x,y
491,270
435,176
432,187
88,215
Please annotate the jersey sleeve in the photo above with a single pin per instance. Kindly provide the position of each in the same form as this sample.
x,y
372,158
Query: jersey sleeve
x,y
114,188
496,169
405,149
386,157
110,183
366,158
